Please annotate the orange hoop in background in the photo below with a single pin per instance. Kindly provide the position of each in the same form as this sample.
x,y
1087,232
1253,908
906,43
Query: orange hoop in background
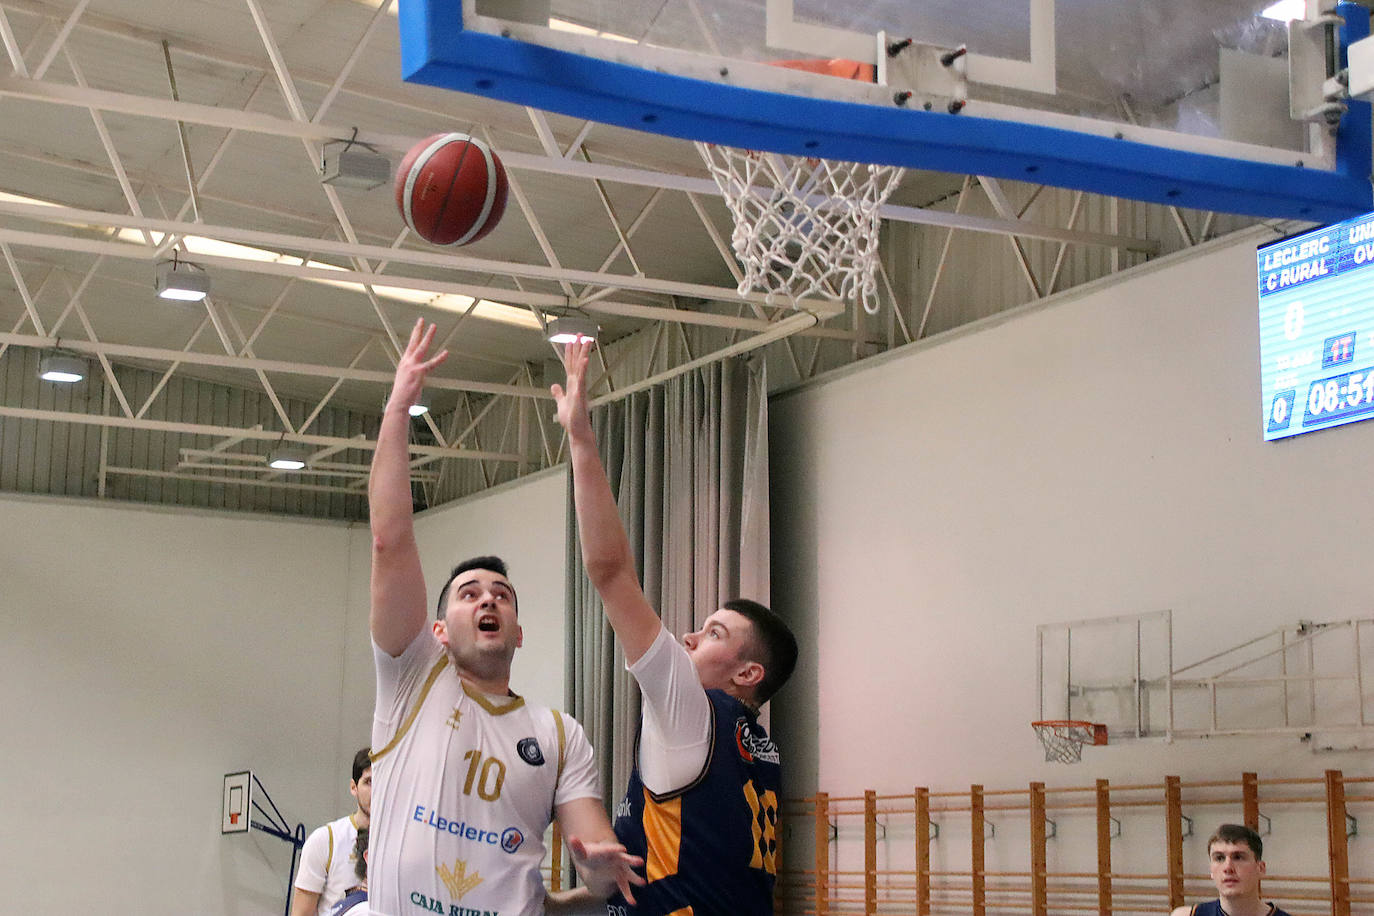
x,y
1063,739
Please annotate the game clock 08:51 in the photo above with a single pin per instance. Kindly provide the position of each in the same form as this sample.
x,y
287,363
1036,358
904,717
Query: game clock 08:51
x,y
1340,396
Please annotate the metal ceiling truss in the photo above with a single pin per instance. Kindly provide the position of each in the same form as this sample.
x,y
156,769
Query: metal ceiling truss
x,y
518,407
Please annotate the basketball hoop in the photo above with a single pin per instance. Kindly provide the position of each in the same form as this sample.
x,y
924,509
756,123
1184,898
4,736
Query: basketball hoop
x,y
1064,738
803,226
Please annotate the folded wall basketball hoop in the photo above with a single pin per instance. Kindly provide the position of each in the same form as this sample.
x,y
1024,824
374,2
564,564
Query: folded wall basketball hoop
x,y
1064,738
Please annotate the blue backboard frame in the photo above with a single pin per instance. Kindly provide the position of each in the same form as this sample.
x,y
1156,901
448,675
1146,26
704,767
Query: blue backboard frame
x,y
436,50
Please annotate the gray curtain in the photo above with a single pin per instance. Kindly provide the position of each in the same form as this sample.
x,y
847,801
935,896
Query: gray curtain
x,y
688,464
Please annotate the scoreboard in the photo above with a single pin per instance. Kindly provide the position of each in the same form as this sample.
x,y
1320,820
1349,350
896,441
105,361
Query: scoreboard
x,y
1316,319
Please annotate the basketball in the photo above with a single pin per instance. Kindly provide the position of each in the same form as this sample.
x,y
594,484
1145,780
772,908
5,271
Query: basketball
x,y
451,189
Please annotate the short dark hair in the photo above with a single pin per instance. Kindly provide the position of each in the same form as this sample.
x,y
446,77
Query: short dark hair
x,y
491,564
359,854
1237,833
773,642
361,761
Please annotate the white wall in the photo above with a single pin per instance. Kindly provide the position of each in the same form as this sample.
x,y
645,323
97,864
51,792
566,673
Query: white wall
x,y
1099,455
144,653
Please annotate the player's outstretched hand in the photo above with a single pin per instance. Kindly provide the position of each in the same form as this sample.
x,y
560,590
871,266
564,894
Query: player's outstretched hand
x,y
415,364
605,867
572,400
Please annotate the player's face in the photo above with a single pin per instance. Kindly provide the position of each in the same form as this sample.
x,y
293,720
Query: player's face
x,y
1235,870
479,622
362,791
719,650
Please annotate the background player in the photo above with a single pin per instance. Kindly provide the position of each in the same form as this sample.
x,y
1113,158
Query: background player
x,y
1236,857
701,805
355,901
327,865
467,774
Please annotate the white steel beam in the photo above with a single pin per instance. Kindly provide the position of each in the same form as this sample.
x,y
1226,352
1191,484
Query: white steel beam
x,y
319,408
104,360
156,354
167,375
205,429
577,141
30,308
12,45
1063,248
781,329
1002,204
229,479
626,309
615,221
543,131
185,143
377,19
944,259
536,227
629,233
59,43
282,242
232,349
106,141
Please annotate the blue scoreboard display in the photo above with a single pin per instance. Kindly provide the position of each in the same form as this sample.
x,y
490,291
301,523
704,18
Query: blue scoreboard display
x,y
1316,318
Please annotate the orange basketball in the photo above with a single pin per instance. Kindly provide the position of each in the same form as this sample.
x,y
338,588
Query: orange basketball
x,y
451,189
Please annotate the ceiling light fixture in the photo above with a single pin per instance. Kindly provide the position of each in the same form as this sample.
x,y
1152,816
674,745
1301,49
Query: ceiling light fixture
x,y
287,459
181,280
568,328
351,164
62,368
421,405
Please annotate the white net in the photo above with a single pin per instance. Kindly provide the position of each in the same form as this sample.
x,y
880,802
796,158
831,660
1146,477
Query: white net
x,y
803,227
1063,741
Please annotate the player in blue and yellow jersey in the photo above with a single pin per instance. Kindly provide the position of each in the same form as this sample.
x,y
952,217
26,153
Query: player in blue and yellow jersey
x,y
1236,861
701,806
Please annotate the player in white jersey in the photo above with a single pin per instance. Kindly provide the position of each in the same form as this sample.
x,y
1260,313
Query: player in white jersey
x,y
466,775
327,859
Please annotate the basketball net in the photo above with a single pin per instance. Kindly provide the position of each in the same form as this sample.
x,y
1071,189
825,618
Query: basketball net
x,y
1063,740
803,227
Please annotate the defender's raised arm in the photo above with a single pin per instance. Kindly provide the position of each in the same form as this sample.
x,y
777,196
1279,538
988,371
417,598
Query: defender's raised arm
x,y
605,548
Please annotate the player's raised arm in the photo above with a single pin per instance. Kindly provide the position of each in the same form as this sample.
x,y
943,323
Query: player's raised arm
x,y
605,548
398,585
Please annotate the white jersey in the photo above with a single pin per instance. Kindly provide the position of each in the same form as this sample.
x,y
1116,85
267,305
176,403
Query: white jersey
x,y
328,863
463,787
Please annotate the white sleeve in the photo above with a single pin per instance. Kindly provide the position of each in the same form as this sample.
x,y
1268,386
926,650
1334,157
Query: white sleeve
x,y
397,679
579,778
675,736
311,875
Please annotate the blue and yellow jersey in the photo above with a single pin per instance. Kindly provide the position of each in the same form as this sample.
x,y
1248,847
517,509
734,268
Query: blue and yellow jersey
x,y
710,849
1213,908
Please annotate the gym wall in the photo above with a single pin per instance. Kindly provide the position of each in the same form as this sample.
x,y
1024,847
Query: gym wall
x,y
1095,455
